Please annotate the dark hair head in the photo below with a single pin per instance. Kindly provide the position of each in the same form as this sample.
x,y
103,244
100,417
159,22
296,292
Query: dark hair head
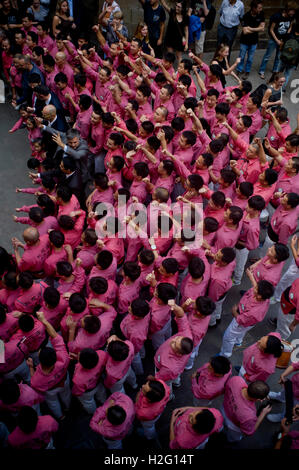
x,y
196,267
166,291
88,358
3,312
271,176
47,357
66,222
104,259
36,214
116,415
218,198
178,124
187,63
216,146
274,346
118,350
186,346
145,90
213,92
98,284
246,189
140,308
216,70
117,138
235,214
77,303
10,280
190,137
49,60
205,421
258,390
222,108
168,166
293,200
293,140
257,203
247,121
25,280
154,142
190,103
92,324
282,252
118,162
26,323
220,364
132,270
228,254
64,268
146,257
246,86
228,175
9,391
51,296
56,238
148,126
170,265
27,418
131,125
156,392
265,289
211,224
204,305
64,192
195,181
169,57
101,180
141,169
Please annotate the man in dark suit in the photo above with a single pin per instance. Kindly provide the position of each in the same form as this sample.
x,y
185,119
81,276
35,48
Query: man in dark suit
x,y
49,124
44,97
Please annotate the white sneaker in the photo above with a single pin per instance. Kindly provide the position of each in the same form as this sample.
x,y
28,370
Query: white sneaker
x,y
278,396
188,367
273,301
235,282
275,418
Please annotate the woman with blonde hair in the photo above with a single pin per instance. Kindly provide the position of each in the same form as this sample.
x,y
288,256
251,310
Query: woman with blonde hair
x,y
142,34
221,58
62,21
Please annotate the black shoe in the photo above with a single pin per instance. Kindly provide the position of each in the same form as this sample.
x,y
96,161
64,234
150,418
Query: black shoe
x,y
242,292
237,368
272,321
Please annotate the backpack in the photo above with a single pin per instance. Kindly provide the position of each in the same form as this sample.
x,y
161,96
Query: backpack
x,y
210,18
290,52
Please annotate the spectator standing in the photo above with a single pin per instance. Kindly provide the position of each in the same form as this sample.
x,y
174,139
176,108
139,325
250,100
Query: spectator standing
x,y
231,13
154,17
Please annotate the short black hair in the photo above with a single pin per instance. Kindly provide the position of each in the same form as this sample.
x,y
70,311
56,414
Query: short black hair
x,y
88,358
77,303
116,415
118,350
211,224
9,391
156,392
26,323
205,422
265,289
51,296
204,305
25,280
104,259
170,265
56,238
140,307
221,364
166,292
258,389
64,268
98,284
282,252
27,418
228,254
132,270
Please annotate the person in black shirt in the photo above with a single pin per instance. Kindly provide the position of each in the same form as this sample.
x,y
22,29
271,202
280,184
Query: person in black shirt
x,y
9,17
154,17
280,25
252,22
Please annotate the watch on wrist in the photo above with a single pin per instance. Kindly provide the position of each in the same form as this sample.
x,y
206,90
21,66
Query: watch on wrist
x,y
153,247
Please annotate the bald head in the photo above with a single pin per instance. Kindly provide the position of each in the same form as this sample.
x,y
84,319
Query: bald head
x,y
49,112
31,235
60,58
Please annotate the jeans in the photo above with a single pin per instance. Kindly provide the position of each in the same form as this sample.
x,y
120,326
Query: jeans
x,y
272,46
22,370
226,35
282,67
246,49
87,399
149,428
52,398
129,377
162,335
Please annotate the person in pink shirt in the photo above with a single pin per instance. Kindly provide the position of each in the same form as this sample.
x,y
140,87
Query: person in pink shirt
x,y
14,396
51,72
103,192
228,234
67,202
63,66
71,277
87,384
259,359
113,420
103,290
88,249
172,356
191,427
53,307
105,265
199,316
222,111
44,40
239,407
114,171
77,309
196,282
59,252
118,366
135,328
279,127
207,107
265,186
241,126
221,273
249,235
209,380
33,431
38,220
15,364
72,227
284,220
251,310
212,76
243,193
215,207
270,267
288,179
150,403
8,324
33,333
252,110
82,123
31,293
36,250
129,287
65,93
50,376
101,79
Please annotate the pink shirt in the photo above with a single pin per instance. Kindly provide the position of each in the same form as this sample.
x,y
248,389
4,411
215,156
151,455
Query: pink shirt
x,y
14,355
250,232
126,294
76,317
146,410
240,411
49,223
226,237
72,205
101,89
87,379
54,315
184,435
208,386
221,280
34,256
257,122
135,330
259,365
160,314
169,364
108,273
105,428
28,397
198,325
284,223
83,122
93,340
7,328
266,271
76,285
73,237
53,259
116,370
30,298
251,310
68,71
34,338
278,140
43,382
87,256
38,439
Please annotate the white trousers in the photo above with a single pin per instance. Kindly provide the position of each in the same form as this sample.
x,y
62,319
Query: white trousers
x,y
193,356
150,428
87,399
283,323
216,315
137,365
234,334
241,258
130,377
53,397
287,279
162,335
233,432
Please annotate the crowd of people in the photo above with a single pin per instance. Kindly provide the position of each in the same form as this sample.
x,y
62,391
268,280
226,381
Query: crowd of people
x,y
150,191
